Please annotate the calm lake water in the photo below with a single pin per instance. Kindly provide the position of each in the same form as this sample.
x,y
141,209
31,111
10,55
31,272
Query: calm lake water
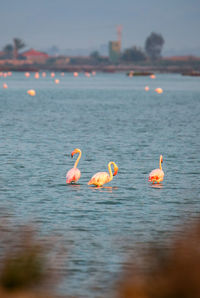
x,y
111,118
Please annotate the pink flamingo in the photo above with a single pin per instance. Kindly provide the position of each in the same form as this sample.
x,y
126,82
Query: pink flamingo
x,y
101,178
157,175
74,174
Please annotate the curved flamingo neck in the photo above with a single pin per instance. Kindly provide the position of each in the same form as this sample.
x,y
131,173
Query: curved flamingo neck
x,y
110,170
79,156
160,164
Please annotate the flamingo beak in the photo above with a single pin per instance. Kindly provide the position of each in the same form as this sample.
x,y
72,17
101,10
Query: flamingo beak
x,y
115,171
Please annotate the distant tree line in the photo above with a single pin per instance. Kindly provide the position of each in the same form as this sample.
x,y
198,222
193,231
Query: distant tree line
x,y
152,51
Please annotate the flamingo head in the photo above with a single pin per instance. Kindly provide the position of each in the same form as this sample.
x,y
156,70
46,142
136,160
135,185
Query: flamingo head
x,y
75,151
161,158
115,169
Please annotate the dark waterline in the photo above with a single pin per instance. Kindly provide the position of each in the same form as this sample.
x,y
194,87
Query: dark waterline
x,y
110,117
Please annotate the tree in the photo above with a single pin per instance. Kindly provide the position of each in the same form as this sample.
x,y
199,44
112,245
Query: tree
x,y
18,45
95,55
8,50
133,54
153,45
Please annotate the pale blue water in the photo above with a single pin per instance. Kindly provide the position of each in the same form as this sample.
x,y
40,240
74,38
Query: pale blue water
x,y
110,117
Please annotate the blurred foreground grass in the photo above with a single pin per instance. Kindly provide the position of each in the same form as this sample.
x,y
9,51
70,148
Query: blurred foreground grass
x,y
169,269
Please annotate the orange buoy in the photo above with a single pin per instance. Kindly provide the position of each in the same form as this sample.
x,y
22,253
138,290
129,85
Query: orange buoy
x,y
37,75
27,74
9,73
44,74
146,88
152,76
5,74
5,86
31,92
159,90
62,74
57,81
75,74
93,72
52,74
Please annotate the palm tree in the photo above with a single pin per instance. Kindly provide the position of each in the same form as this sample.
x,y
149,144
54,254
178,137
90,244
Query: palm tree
x,y
18,44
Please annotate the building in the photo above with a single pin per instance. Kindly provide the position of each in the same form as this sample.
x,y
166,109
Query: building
x,y
114,51
35,56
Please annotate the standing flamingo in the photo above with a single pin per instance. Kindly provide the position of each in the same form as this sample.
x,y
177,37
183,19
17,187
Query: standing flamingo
x,y
74,174
157,175
101,178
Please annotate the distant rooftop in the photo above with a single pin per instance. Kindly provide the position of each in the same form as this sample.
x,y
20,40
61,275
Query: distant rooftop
x,y
34,53
181,58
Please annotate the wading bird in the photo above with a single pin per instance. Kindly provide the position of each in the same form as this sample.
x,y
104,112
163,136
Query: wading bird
x,y
157,175
101,178
74,174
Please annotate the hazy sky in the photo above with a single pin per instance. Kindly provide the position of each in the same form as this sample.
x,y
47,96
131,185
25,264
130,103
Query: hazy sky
x,y
90,23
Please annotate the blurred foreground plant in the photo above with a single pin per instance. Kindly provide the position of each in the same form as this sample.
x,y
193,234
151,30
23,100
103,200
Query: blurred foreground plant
x,y
27,262
165,273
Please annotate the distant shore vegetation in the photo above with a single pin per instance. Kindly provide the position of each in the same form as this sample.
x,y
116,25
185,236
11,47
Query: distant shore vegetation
x,y
149,58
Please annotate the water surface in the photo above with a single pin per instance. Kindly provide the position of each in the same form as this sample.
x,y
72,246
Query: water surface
x,y
110,117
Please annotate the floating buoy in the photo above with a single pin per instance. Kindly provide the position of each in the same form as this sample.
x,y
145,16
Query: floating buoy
x,y
1,73
9,73
75,74
152,76
57,81
159,90
31,92
37,75
62,74
5,86
27,74
146,88
87,74
5,74
93,73
52,74
44,74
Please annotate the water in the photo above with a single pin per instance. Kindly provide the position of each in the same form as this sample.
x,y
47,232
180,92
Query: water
x,y
110,117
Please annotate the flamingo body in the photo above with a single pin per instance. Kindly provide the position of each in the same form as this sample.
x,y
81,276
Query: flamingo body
x,y
101,178
157,175
73,175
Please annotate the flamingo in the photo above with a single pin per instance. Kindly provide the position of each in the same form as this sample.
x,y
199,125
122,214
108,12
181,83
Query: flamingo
x,y
74,174
157,175
101,178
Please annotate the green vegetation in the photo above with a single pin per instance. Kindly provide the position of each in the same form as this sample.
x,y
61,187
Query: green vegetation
x,y
153,45
133,54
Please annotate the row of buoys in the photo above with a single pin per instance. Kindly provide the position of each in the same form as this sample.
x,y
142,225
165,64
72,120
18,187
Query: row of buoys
x,y
52,74
5,74
101,178
75,74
